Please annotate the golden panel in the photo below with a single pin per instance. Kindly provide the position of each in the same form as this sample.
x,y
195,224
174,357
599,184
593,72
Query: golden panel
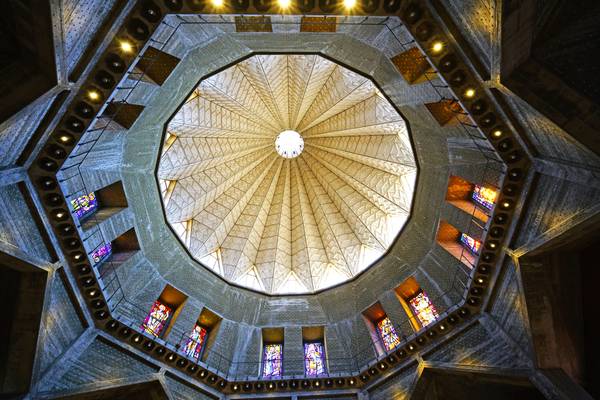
x,y
253,24
318,24
445,111
412,64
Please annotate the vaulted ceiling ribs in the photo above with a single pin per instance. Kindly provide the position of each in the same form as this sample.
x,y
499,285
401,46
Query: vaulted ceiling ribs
x,y
287,225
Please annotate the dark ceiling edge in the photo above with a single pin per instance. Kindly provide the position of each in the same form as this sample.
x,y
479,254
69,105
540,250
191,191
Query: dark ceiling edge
x,y
97,39
43,125
540,87
62,275
415,16
37,220
35,70
463,44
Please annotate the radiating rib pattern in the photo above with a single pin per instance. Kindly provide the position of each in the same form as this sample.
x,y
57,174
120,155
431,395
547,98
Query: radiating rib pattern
x,y
281,225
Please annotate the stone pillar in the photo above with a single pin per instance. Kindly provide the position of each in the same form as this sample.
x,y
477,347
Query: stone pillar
x,y
393,309
293,351
242,344
183,325
336,355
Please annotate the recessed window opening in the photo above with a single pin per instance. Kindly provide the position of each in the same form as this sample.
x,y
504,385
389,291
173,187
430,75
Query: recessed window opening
x,y
116,251
416,303
461,245
474,199
272,355
202,335
96,206
163,312
314,351
383,332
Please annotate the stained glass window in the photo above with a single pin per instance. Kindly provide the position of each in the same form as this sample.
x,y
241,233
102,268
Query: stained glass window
x,y
85,205
386,331
157,318
272,360
195,342
469,243
484,196
314,358
102,252
423,308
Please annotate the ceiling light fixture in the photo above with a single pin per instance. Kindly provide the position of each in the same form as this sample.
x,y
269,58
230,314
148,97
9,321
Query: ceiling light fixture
x,y
289,144
470,93
125,46
349,4
437,47
93,95
284,4
217,3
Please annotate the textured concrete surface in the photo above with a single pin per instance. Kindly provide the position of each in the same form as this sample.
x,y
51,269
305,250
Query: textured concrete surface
x,y
73,359
248,308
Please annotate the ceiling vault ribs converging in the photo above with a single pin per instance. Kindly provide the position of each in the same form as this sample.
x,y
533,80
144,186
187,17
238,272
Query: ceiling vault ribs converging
x,y
287,225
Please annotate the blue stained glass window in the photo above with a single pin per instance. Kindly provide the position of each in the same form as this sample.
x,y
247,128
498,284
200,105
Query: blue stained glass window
x,y
314,358
102,253
388,335
84,206
195,342
272,360
473,245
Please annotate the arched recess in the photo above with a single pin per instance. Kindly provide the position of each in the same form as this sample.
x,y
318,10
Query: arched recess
x,y
559,282
27,54
22,291
456,384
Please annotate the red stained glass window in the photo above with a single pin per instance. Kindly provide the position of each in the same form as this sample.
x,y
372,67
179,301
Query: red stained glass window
x,y
470,244
484,196
157,318
423,308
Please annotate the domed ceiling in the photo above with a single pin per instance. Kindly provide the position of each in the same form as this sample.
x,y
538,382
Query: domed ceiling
x,y
287,173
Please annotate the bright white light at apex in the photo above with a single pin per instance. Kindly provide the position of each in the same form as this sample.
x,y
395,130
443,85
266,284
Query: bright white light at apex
x,y
289,144
349,4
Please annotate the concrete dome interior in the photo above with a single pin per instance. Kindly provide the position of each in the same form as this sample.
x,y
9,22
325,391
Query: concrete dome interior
x,y
298,200
276,224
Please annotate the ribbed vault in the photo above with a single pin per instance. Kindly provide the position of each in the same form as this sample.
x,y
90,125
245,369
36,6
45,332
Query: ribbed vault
x,y
287,225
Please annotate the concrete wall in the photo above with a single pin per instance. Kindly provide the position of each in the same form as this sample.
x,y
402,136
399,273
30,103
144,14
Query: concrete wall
x,y
17,226
62,324
499,339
